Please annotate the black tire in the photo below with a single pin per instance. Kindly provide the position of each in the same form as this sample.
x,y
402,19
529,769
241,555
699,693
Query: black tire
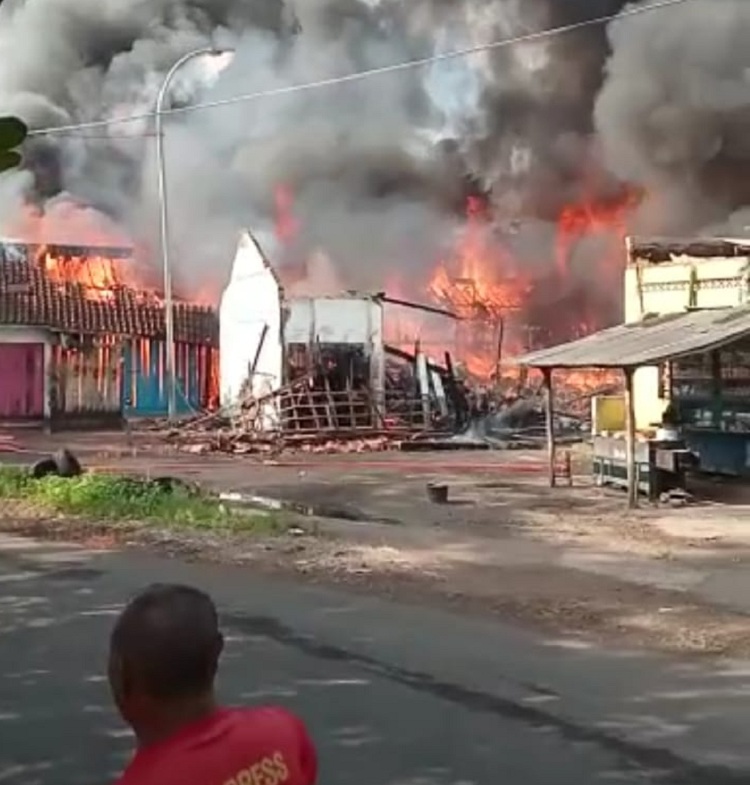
x,y
67,464
47,467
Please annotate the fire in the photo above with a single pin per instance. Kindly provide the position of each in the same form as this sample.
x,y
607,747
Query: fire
x,y
96,274
482,277
588,218
77,245
509,311
483,285
505,306
286,223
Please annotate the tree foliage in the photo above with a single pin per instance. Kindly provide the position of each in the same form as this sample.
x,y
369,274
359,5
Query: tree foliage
x,y
13,132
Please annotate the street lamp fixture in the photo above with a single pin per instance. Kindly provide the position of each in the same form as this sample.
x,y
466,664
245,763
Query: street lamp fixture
x,y
171,355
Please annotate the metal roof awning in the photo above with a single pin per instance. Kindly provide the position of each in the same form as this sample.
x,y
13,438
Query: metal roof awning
x,y
648,342
663,249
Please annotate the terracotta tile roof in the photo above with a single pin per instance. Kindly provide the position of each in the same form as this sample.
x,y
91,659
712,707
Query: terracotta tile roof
x,y
29,297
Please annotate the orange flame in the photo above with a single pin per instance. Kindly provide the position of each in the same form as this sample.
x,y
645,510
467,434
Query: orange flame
x,y
286,223
98,275
481,278
482,284
588,217
498,300
70,241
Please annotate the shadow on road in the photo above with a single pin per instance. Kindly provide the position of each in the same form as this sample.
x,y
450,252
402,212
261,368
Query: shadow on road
x,y
547,714
56,720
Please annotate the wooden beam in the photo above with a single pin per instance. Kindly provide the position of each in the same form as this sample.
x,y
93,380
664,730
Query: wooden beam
x,y
630,439
549,409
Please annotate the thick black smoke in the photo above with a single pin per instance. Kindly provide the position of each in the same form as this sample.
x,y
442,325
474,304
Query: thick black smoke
x,y
531,140
380,168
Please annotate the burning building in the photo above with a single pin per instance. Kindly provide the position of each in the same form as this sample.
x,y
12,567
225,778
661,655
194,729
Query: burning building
x,y
509,303
269,341
316,365
684,354
80,345
499,185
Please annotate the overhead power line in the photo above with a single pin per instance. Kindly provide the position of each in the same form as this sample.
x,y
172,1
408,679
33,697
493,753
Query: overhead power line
x,y
367,74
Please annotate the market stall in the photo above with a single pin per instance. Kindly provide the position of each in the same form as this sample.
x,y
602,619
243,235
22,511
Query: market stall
x,y
705,356
711,394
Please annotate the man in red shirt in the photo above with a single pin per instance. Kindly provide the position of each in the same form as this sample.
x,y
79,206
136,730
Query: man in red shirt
x,y
164,653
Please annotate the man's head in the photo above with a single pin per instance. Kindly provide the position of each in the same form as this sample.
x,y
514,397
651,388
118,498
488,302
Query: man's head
x,y
164,652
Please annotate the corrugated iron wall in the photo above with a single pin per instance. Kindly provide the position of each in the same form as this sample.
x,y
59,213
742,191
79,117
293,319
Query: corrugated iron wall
x,y
87,380
144,388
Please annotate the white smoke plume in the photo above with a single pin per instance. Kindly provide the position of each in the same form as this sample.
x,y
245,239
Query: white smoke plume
x,y
379,169
359,159
373,187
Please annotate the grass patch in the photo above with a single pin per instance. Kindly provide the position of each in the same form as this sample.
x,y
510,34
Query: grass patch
x,y
124,498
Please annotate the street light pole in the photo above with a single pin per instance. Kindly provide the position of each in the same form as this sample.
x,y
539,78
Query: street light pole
x,y
171,355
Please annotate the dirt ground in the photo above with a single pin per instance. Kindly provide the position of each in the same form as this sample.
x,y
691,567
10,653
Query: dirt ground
x,y
572,560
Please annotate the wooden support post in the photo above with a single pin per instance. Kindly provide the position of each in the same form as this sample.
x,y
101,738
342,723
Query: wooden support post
x,y
549,406
630,439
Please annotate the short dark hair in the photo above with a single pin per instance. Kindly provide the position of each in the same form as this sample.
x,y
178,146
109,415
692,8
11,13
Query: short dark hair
x,y
168,637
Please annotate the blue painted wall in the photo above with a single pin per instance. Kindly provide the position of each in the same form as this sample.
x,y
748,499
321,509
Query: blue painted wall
x,y
721,452
144,389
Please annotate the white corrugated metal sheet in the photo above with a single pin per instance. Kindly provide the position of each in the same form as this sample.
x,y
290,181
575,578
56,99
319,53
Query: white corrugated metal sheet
x,y
250,326
332,320
647,342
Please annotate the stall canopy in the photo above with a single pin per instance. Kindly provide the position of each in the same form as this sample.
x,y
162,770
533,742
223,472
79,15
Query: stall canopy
x,y
652,340
647,342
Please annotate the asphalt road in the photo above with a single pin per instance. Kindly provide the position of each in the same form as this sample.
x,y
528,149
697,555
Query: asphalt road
x,y
394,695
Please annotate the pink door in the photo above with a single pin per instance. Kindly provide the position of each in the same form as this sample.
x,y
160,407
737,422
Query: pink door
x,y
21,381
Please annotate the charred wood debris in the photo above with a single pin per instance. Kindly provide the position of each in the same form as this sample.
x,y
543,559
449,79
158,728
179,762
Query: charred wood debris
x,y
332,408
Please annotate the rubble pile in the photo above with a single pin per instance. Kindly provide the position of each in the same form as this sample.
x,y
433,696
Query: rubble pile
x,y
232,440
298,418
295,418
